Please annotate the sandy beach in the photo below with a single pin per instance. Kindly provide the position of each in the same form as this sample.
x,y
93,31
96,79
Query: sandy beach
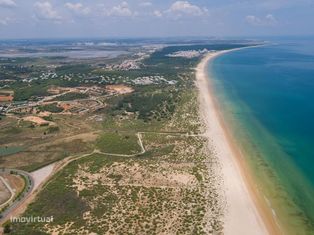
x,y
245,212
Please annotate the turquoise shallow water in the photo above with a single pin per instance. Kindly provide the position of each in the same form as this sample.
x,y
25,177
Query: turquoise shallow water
x,y
267,96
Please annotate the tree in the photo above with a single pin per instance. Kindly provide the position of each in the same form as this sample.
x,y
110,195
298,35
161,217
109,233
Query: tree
x,y
7,228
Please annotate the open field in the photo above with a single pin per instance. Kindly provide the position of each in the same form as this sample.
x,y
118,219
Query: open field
x,y
148,193
118,143
15,181
10,186
41,145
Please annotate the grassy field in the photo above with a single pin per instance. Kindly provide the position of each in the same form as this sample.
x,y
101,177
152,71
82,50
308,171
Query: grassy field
x,y
39,146
118,143
4,151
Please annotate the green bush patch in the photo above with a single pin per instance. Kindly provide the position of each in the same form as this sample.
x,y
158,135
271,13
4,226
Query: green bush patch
x,y
118,143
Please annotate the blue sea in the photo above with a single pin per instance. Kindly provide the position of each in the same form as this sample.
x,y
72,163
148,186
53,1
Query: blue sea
x,y
267,97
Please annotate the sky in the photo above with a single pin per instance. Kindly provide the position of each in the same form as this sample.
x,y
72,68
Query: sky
x,y
154,18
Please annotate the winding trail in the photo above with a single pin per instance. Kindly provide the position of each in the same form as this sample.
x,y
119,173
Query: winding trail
x,y
39,178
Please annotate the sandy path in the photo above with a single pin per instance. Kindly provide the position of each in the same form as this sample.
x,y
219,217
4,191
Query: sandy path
x,y
242,215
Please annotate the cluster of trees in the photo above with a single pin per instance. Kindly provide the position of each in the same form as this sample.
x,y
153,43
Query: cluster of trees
x,y
26,92
159,105
53,108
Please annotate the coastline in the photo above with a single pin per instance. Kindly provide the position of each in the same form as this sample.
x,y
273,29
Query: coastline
x,y
246,211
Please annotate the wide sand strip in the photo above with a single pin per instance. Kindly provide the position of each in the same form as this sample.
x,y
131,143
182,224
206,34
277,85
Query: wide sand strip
x,y
243,215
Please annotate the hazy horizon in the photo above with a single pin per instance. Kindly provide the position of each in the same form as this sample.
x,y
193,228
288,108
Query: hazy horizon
x,y
244,37
152,19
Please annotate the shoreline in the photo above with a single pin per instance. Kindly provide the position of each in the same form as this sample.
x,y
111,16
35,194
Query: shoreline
x,y
246,211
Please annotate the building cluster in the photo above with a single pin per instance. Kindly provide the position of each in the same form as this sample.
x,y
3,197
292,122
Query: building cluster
x,y
189,54
148,80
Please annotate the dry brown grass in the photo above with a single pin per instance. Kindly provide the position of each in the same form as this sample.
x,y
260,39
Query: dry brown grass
x,y
4,193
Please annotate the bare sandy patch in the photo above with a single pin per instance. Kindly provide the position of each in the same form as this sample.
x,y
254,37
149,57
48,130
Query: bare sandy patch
x,y
44,114
6,95
65,106
120,89
184,179
6,98
42,174
37,120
